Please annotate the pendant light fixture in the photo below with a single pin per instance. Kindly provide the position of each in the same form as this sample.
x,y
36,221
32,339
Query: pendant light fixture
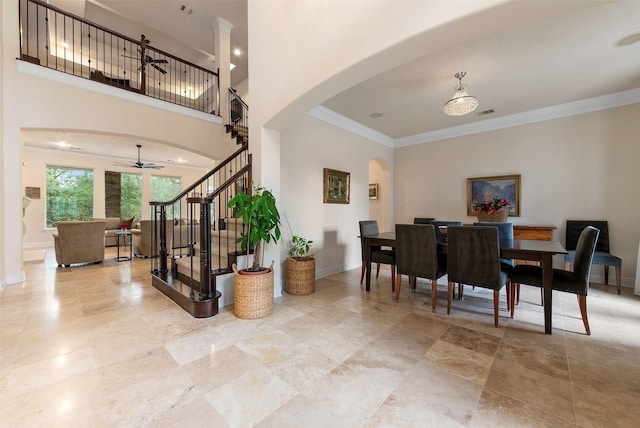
x,y
461,103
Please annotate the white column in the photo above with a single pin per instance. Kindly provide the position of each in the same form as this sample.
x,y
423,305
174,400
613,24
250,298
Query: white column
x,y
222,50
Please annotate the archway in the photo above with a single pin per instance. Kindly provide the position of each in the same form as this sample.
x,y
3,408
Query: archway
x,y
381,194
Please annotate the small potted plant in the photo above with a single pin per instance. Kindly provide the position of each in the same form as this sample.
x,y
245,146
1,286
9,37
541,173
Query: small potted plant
x,y
301,268
496,210
253,287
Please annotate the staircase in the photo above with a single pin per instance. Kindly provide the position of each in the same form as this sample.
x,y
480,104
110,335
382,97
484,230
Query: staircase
x,y
201,246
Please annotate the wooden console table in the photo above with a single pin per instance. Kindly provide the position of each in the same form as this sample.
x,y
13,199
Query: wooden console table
x,y
538,233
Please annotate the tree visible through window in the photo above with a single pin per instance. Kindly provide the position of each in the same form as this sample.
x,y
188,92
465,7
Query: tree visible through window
x,y
164,189
69,194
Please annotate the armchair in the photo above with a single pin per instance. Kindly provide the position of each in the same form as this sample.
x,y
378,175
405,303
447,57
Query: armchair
x,y
79,242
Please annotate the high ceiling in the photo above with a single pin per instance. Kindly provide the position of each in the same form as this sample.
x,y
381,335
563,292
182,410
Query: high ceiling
x,y
565,59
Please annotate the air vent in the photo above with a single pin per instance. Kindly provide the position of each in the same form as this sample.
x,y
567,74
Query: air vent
x,y
185,9
482,113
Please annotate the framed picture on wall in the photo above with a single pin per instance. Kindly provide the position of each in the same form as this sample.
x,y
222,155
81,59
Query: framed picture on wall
x,y
483,189
373,191
336,186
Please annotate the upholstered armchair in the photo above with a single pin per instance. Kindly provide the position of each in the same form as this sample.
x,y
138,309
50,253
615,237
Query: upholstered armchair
x,y
143,240
79,242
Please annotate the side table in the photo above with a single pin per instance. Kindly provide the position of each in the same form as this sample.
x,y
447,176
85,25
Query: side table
x,y
122,235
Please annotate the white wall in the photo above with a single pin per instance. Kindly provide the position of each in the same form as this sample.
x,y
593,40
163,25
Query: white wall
x,y
579,167
308,146
34,175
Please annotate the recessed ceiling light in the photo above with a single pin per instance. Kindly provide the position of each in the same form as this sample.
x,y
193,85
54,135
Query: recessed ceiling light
x,y
629,40
375,115
237,52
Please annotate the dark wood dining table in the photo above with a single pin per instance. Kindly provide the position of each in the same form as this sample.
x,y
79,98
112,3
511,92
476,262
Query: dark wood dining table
x,y
519,249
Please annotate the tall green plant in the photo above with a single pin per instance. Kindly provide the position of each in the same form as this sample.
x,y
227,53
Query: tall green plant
x,y
262,221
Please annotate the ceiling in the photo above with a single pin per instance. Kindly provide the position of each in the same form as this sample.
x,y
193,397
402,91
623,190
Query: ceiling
x,y
568,58
556,61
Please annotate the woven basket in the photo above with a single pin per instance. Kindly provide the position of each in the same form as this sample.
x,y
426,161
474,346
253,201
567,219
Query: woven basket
x,y
301,276
500,216
253,294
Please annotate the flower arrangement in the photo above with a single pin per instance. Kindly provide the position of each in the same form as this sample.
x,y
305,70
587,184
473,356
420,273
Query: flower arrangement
x,y
492,206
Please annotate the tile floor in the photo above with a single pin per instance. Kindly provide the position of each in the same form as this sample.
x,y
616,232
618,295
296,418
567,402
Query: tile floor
x,y
99,346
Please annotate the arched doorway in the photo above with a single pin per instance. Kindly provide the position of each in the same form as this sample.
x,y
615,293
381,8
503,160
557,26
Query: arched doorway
x,y
381,195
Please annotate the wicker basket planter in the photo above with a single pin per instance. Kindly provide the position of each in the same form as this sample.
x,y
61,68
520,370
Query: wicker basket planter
x,y
253,294
499,216
301,275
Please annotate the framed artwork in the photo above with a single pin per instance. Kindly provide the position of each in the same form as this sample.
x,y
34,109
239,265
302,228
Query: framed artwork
x,y
336,186
373,191
32,192
487,188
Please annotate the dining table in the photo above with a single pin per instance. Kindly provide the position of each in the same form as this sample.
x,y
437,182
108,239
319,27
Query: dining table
x,y
518,249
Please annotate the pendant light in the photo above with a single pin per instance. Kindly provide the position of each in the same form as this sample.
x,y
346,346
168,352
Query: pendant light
x,y
461,103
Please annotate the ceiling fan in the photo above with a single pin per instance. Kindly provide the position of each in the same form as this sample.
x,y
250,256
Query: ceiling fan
x,y
138,163
148,60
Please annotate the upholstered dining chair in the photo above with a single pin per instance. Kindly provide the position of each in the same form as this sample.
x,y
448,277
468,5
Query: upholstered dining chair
x,y
417,256
378,254
505,231
602,255
423,220
576,281
440,223
473,258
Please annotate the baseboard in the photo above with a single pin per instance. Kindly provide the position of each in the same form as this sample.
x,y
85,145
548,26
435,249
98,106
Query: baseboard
x,y
32,245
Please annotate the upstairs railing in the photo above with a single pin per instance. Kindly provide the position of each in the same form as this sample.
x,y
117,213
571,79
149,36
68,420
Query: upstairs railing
x,y
59,40
239,116
196,230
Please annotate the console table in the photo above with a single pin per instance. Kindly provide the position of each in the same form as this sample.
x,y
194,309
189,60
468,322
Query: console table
x,y
538,233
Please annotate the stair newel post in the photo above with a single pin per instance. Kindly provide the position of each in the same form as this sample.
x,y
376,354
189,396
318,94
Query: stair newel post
x,y
205,249
164,253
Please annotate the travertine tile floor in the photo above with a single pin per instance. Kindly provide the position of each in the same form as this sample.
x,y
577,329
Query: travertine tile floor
x,y
99,346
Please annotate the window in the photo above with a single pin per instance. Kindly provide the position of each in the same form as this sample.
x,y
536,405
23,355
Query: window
x,y
69,194
123,194
164,189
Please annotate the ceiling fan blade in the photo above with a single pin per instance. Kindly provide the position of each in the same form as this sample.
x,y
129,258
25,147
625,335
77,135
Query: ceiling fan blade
x,y
152,166
158,68
121,164
160,61
131,57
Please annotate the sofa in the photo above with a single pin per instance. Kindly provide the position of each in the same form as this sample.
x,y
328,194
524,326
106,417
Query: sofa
x,y
79,242
112,226
142,237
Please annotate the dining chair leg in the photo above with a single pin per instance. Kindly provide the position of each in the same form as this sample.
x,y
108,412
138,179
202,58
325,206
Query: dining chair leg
x,y
377,270
398,280
393,278
364,267
582,301
508,292
460,290
513,296
496,304
606,275
517,293
618,279
449,296
434,292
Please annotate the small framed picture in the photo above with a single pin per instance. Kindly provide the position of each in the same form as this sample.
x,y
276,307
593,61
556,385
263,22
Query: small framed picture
x,y
373,191
336,186
32,192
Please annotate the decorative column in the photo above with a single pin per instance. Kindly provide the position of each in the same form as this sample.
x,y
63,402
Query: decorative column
x,y
222,51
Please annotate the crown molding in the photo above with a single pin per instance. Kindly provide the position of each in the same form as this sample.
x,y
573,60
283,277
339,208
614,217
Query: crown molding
x,y
330,116
548,113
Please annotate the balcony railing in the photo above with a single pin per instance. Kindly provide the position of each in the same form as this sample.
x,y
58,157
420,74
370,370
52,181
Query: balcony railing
x,y
56,39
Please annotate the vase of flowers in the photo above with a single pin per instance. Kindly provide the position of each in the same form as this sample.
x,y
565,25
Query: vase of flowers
x,y
495,210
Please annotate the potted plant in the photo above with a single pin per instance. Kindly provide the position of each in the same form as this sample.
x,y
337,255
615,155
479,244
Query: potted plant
x,y
496,210
301,268
253,288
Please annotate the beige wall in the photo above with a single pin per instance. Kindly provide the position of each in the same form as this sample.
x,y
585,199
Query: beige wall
x,y
579,167
308,146
34,175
